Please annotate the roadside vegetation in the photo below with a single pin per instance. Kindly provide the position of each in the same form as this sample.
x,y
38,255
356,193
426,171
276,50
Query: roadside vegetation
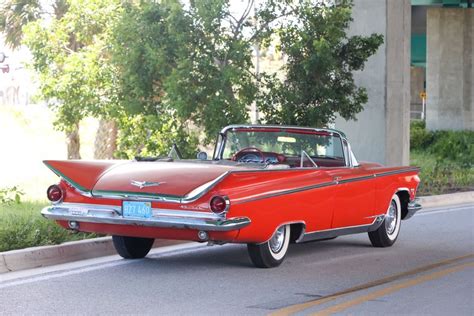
x,y
22,226
446,159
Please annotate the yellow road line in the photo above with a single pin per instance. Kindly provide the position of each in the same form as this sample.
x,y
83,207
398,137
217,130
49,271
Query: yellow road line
x,y
396,287
299,307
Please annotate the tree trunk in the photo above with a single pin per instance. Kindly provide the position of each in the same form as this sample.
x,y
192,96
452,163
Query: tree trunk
x,y
105,140
73,143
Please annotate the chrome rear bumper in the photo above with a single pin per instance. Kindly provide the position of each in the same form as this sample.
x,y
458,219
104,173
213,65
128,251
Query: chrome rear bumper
x,y
413,207
104,214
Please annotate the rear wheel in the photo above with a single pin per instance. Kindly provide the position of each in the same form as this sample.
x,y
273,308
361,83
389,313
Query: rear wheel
x,y
132,247
271,253
387,233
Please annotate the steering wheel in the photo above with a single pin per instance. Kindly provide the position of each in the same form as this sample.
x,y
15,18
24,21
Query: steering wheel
x,y
243,152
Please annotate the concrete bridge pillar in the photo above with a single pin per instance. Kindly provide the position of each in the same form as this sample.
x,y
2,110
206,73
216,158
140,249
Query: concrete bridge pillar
x,y
381,132
449,69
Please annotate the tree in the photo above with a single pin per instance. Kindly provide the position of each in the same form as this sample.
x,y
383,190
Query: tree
x,y
71,57
187,65
193,63
69,43
14,15
321,59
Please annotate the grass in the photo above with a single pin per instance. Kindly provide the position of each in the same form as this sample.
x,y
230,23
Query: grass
x,y
441,177
22,226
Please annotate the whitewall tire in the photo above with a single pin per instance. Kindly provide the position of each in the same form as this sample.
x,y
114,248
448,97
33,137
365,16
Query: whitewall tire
x,y
271,253
387,233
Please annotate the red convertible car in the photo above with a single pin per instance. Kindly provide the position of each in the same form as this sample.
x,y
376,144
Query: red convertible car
x,y
265,186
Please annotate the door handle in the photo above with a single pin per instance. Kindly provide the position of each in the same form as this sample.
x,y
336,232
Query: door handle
x,y
337,178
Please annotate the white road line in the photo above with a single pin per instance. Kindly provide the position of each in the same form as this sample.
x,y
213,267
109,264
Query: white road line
x,y
61,274
447,210
53,274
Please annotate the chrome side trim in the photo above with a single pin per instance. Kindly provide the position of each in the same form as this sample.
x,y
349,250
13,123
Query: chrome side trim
x,y
290,191
329,233
160,218
324,184
389,173
356,179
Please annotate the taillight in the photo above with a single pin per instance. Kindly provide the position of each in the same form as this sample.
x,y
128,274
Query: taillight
x,y
55,193
219,204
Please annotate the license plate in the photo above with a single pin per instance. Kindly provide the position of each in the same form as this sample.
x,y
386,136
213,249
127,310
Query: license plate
x,y
136,209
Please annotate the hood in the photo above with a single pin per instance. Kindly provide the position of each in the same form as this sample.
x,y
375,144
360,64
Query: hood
x,y
174,179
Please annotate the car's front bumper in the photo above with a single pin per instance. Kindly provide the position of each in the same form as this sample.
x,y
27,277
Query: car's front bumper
x,y
104,214
413,207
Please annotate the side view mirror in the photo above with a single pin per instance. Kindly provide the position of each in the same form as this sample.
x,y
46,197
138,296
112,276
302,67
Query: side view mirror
x,y
202,155
2,57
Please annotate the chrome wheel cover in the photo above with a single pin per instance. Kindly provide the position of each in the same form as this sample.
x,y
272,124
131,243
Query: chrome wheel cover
x,y
278,239
391,218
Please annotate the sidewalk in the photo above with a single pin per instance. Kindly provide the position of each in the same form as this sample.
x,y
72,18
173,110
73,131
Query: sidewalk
x,y
36,257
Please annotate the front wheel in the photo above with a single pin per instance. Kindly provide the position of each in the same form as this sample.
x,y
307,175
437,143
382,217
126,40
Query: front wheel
x,y
387,233
132,247
271,253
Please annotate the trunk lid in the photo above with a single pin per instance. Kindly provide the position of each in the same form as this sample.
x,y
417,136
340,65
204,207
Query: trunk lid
x,y
174,179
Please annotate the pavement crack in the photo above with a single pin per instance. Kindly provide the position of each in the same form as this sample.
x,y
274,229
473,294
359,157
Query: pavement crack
x,y
5,263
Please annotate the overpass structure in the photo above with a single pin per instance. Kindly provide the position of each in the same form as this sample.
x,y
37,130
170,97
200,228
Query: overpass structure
x,y
428,52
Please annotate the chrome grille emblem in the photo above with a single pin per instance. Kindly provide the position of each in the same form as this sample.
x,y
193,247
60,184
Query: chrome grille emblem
x,y
145,184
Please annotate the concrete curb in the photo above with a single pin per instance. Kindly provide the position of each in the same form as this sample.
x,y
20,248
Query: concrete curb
x,y
36,257
447,199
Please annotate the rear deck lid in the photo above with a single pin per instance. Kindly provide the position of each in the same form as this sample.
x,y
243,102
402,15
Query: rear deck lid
x,y
157,179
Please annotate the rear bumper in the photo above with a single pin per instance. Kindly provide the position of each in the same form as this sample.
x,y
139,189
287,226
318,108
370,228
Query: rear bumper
x,y
102,214
413,207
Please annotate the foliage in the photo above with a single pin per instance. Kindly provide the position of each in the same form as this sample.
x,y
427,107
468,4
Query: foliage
x,y
420,138
455,146
190,69
11,194
193,63
22,226
14,15
70,54
159,136
321,59
445,157
441,177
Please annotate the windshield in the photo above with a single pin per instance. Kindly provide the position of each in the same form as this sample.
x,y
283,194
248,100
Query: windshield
x,y
295,148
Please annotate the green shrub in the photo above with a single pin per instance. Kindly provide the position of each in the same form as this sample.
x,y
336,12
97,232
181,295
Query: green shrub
x,y
446,159
420,138
457,146
22,226
441,177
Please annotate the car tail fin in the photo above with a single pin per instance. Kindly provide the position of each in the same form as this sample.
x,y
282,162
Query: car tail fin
x,y
81,174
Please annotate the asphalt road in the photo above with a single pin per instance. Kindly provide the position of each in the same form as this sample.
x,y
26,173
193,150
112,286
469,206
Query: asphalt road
x,y
430,270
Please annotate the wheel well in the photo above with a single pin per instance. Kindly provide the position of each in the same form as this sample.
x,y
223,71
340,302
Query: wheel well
x,y
404,197
297,230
